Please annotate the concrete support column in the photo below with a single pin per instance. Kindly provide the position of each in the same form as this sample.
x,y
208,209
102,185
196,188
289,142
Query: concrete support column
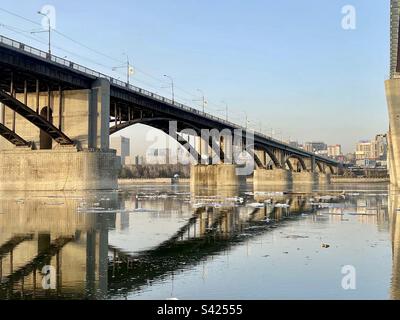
x,y
305,177
324,178
280,177
392,87
391,167
99,115
312,164
214,175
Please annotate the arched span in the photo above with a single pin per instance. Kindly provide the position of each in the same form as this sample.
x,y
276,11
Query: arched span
x,y
300,159
274,159
146,121
162,123
183,142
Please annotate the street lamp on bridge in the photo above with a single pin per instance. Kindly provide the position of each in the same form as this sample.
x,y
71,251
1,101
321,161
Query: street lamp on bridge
x,y
48,31
172,86
129,69
203,99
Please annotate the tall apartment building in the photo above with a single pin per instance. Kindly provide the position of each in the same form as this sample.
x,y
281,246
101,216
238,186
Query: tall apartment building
x,y
334,151
122,145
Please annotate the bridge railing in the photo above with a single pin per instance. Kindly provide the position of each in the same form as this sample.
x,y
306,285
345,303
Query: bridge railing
x,y
72,65
93,73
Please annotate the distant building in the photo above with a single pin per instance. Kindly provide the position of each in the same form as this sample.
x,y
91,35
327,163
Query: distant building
x,y
334,151
374,150
366,163
315,146
158,156
322,152
350,158
130,161
122,146
364,150
380,147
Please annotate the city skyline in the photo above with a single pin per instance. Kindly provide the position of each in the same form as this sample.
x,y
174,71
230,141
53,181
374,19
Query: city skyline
x,y
284,96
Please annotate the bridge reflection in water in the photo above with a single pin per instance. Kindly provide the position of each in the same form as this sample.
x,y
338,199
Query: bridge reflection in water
x,y
71,232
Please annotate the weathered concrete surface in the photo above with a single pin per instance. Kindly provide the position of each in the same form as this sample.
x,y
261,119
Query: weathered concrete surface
x,y
214,175
305,177
392,87
263,177
63,168
324,178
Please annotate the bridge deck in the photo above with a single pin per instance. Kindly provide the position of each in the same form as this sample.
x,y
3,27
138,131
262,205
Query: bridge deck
x,y
14,54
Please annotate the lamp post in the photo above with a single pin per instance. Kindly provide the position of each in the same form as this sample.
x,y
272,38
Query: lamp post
x,y
48,31
203,99
129,69
172,86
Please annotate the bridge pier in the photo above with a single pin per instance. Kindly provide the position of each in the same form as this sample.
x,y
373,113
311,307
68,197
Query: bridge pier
x,y
286,179
81,115
57,170
276,177
324,178
216,175
305,177
392,87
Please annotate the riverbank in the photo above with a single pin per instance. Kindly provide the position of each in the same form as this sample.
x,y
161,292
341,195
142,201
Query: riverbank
x,y
334,180
151,181
359,180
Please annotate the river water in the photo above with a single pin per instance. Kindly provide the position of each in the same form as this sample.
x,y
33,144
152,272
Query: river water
x,y
163,242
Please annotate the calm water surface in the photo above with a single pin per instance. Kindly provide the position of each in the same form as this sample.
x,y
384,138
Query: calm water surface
x,y
160,242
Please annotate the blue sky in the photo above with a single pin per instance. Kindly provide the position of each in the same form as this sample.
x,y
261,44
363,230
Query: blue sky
x,y
288,64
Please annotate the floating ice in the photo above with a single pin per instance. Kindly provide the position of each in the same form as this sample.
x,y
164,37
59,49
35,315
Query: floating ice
x,y
256,205
282,205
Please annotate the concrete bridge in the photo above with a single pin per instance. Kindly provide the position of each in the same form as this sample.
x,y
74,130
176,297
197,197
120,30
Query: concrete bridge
x,y
56,118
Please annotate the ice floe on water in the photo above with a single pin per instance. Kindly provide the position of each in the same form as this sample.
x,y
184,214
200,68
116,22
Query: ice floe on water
x,y
269,193
141,210
282,205
255,205
239,200
96,210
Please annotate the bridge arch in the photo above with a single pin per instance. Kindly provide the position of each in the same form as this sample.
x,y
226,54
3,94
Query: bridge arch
x,y
271,155
162,123
301,162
